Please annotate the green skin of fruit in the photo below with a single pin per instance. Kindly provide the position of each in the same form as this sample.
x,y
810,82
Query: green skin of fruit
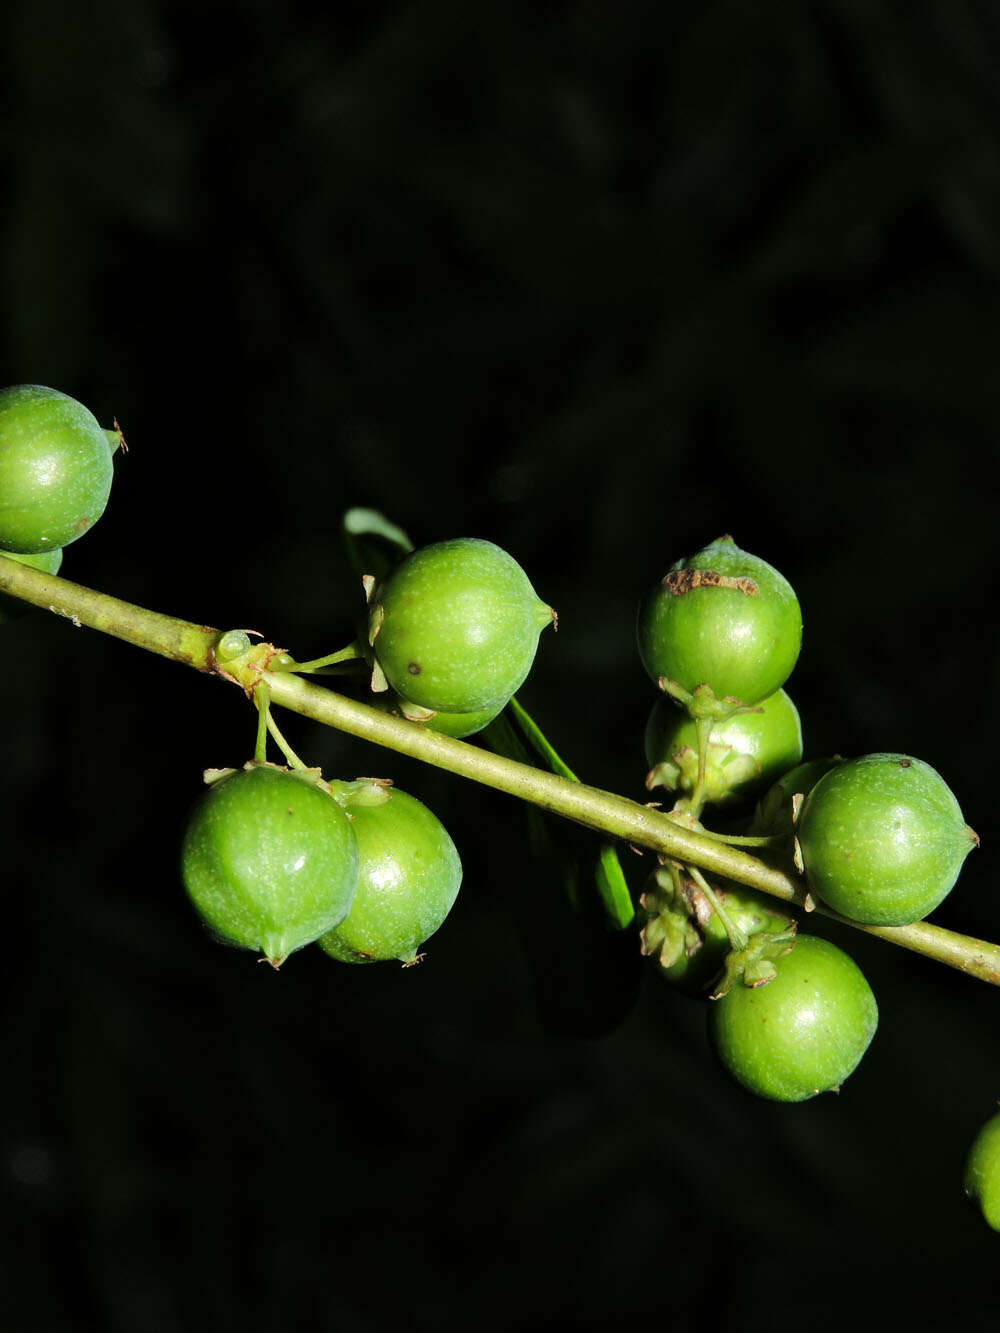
x,y
883,839
409,875
456,626
746,751
49,561
693,974
982,1172
742,645
270,861
775,813
801,1033
55,469
458,725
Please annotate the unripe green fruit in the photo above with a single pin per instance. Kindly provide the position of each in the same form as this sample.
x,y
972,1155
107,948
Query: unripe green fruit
x,y
270,860
455,626
55,469
409,875
722,618
48,561
745,752
883,839
458,725
801,1033
982,1172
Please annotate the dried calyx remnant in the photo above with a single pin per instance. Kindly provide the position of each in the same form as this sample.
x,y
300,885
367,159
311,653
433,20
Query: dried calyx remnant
x,y
680,581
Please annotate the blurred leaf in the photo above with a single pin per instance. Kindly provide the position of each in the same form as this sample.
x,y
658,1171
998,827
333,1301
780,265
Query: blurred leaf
x,y
608,874
374,544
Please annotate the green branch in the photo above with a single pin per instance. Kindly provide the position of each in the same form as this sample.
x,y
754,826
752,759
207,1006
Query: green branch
x,y
603,811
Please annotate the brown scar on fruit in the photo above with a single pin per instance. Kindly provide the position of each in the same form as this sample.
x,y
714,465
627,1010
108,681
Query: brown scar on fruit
x,y
679,581
414,668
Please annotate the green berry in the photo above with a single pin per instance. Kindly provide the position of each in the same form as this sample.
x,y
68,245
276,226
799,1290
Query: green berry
x,y
883,839
270,860
982,1172
802,1033
746,751
724,619
409,874
55,469
48,561
455,626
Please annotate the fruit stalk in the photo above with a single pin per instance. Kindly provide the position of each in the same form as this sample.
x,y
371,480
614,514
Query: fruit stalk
x,y
626,820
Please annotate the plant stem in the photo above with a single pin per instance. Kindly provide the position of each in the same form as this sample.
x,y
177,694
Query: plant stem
x,y
177,639
351,653
737,938
606,812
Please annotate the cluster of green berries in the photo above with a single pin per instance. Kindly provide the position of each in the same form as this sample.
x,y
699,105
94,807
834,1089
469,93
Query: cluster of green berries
x,y
879,839
55,476
275,859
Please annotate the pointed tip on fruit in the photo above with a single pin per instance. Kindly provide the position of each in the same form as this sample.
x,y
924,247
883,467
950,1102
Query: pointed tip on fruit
x,y
275,951
547,615
973,836
413,960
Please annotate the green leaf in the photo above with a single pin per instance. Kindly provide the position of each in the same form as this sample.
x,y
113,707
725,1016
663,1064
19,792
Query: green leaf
x,y
609,878
540,744
374,543
613,887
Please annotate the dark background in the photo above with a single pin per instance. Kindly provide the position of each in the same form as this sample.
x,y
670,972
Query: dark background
x,y
598,282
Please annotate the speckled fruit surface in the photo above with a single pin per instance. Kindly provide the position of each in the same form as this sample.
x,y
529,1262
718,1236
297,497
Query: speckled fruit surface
x,y
722,618
409,875
803,1032
456,626
270,861
55,469
883,839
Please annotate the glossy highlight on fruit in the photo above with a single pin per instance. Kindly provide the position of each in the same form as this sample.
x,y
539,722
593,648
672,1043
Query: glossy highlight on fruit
x,y
455,626
409,875
802,1033
883,839
11,608
746,751
270,860
55,469
982,1172
722,618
